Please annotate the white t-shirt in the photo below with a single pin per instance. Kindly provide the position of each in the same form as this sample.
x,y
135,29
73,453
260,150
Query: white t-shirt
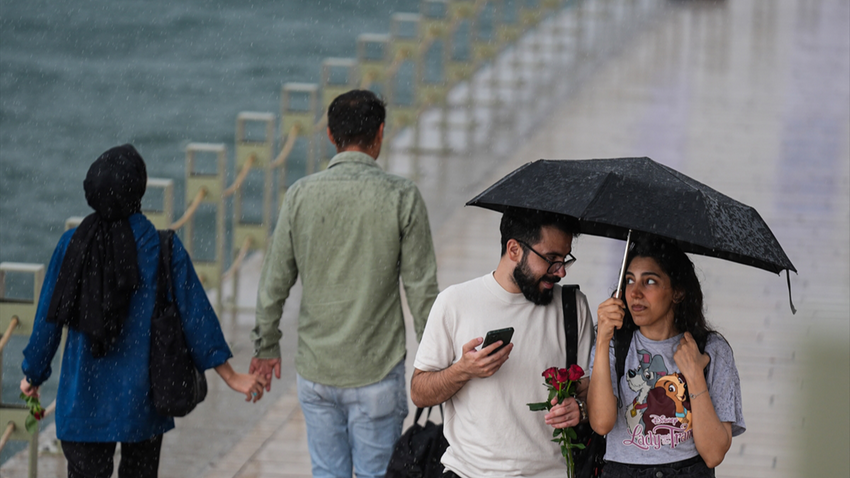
x,y
490,430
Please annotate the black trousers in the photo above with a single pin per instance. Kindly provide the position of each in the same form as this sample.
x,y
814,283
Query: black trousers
x,y
94,460
691,468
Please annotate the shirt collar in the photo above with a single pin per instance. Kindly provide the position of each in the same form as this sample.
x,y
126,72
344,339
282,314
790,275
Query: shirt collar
x,y
353,157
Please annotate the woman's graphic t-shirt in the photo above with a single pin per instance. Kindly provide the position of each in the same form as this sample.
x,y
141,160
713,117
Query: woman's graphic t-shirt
x,y
654,410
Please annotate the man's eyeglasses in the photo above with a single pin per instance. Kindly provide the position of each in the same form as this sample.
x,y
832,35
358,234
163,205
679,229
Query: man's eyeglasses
x,y
554,266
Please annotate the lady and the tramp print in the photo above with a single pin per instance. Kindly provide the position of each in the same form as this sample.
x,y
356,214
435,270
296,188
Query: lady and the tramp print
x,y
659,415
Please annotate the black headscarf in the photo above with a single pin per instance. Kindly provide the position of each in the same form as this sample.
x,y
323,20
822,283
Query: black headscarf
x,y
100,272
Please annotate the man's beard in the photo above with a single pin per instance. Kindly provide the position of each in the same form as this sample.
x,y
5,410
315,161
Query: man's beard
x,y
530,286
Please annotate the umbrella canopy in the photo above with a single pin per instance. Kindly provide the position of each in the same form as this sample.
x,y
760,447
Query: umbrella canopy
x,y
611,197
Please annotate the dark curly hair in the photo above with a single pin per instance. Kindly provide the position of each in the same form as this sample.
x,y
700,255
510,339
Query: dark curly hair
x,y
526,224
689,313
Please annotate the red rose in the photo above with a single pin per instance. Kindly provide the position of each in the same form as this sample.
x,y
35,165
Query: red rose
x,y
551,375
575,373
563,376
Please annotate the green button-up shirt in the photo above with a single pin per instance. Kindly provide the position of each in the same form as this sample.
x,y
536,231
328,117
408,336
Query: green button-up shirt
x,y
351,232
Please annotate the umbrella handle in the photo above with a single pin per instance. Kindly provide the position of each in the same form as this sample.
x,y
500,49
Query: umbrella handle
x,y
623,267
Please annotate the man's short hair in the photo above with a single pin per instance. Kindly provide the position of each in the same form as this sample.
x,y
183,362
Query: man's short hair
x,y
526,224
355,117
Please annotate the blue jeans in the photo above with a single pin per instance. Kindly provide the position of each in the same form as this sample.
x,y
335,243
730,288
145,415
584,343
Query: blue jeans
x,y
353,426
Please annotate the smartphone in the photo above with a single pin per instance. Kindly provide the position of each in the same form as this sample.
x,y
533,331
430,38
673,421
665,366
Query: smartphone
x,y
494,336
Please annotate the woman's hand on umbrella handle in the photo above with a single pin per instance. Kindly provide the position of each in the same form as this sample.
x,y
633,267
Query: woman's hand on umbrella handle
x,y
610,316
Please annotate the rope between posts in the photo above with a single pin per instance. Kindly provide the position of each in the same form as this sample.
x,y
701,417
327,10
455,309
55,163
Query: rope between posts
x,y
243,251
396,63
6,434
190,211
8,333
478,6
426,44
246,168
280,160
323,121
367,80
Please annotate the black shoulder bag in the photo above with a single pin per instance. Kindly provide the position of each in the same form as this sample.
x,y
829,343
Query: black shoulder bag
x,y
418,452
177,385
588,461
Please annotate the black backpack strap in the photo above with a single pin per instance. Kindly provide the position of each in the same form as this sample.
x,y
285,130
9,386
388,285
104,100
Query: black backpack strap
x,y
568,298
163,283
622,341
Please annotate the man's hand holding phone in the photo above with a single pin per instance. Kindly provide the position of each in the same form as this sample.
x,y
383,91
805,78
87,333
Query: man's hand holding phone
x,y
485,362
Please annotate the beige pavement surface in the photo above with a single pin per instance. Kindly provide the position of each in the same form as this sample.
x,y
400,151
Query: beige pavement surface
x,y
751,97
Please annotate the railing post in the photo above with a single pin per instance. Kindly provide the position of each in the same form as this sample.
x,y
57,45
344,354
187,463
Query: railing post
x,y
299,104
17,317
73,221
402,99
208,185
403,102
339,75
251,155
372,58
431,74
162,217
460,61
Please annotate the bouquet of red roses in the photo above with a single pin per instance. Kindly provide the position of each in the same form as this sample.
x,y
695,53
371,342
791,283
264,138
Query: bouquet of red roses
x,y
561,383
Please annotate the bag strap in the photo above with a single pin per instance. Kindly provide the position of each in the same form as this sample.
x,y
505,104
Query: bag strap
x,y
164,287
621,346
568,299
419,411
621,349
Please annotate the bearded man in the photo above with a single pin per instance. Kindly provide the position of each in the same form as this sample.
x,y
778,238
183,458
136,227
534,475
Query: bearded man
x,y
490,430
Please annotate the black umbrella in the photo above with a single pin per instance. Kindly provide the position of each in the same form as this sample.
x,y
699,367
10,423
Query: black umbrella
x,y
612,197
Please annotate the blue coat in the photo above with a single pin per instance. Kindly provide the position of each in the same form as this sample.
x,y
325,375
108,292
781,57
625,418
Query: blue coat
x,y
108,399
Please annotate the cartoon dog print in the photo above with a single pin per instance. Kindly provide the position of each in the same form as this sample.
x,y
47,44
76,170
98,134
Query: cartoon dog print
x,y
668,399
642,380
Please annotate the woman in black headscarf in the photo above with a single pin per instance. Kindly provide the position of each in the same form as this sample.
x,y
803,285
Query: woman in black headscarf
x,y
101,284
99,273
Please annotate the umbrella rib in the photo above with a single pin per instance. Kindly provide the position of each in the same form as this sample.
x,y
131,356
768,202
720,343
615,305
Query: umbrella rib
x,y
608,178
678,176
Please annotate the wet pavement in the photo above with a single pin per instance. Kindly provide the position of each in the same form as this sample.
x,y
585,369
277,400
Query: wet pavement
x,y
751,97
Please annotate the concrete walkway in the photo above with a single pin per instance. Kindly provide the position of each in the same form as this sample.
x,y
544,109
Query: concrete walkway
x,y
751,97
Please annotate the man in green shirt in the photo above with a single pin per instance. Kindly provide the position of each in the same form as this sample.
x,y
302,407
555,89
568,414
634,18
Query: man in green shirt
x,y
351,232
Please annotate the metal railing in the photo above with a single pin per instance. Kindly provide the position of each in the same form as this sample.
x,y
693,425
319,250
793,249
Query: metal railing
x,y
16,318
